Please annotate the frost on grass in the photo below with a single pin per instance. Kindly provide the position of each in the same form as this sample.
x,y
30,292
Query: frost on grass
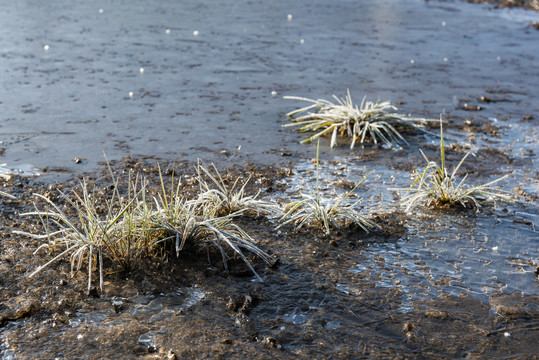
x,y
436,186
229,199
127,228
3,193
377,121
329,213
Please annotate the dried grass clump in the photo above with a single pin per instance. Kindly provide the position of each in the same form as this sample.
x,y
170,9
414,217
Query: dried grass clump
x,y
374,120
313,209
227,200
132,225
436,186
3,193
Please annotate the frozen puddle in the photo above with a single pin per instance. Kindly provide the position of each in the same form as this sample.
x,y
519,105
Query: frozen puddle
x,y
165,307
443,252
20,170
340,176
453,254
145,308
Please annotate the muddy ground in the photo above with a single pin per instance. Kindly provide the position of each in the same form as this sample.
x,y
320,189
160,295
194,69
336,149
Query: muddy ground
x,y
430,284
527,4
301,310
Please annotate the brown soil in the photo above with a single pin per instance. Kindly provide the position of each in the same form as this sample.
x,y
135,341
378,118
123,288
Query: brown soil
x,y
239,318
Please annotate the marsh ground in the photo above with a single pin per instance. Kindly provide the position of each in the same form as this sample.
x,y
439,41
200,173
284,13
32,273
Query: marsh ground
x,y
311,304
433,284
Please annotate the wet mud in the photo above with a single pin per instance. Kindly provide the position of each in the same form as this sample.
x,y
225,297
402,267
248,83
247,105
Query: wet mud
x,y
350,294
170,83
527,4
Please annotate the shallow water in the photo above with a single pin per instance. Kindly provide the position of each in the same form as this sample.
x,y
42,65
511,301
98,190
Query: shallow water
x,y
442,252
221,89
214,73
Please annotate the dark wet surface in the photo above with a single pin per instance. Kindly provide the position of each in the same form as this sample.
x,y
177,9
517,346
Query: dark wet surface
x,y
527,4
435,284
203,94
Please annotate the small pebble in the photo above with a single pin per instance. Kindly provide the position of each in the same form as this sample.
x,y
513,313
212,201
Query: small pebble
x,y
495,248
167,31
130,94
195,33
444,23
506,334
270,343
412,61
141,70
274,93
302,41
289,17
46,47
101,11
